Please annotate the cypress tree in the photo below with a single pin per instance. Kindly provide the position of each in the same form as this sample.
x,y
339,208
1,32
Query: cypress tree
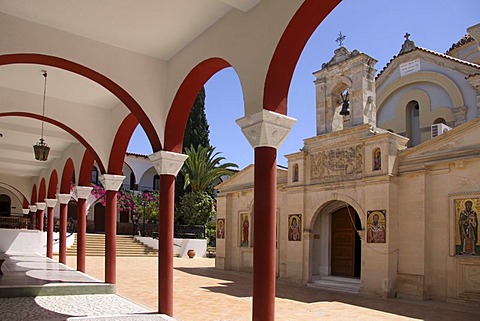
x,y
197,133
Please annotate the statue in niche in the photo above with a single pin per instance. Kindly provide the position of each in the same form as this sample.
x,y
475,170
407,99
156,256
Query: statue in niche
x,y
377,159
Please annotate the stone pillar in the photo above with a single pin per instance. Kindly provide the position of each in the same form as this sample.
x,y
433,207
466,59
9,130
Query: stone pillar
x,y
40,210
111,183
63,199
474,81
50,206
167,165
265,131
82,193
33,212
25,212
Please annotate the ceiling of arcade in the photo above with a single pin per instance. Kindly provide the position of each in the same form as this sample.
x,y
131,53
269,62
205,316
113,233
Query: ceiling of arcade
x,y
158,36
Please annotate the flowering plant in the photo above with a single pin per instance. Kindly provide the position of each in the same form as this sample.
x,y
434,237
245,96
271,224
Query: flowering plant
x,y
99,192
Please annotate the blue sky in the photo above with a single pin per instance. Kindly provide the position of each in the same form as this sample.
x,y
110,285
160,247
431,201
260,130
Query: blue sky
x,y
375,27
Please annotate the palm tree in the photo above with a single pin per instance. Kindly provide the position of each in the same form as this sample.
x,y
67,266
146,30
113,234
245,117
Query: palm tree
x,y
202,168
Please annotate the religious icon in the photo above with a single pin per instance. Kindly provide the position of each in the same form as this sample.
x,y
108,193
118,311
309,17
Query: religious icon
x,y
467,226
376,226
220,228
295,227
244,229
377,159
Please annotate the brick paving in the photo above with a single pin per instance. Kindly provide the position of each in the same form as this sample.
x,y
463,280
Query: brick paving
x,y
203,293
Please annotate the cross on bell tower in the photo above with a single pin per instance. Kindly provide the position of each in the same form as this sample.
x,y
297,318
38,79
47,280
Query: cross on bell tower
x,y
340,39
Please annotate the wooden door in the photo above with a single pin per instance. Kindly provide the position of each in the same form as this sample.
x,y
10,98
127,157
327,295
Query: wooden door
x,y
343,243
99,218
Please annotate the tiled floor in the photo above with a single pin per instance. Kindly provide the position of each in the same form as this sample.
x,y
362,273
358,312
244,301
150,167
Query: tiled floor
x,y
26,276
203,293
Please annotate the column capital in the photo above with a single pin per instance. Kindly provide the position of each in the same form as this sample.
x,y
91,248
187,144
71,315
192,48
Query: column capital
x,y
64,198
167,163
111,182
82,191
41,206
32,208
266,128
25,211
51,202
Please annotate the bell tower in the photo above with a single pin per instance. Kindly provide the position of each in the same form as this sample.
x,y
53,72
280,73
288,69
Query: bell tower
x,y
345,84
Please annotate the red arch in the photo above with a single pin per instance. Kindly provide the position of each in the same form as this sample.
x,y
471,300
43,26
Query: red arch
x,y
25,202
42,193
116,90
277,83
33,198
120,144
183,101
62,126
85,177
52,184
68,171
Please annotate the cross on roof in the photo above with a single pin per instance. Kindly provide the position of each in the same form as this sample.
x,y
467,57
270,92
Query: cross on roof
x,y
340,39
406,36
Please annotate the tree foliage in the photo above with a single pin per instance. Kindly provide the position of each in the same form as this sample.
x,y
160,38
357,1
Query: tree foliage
x,y
203,167
196,208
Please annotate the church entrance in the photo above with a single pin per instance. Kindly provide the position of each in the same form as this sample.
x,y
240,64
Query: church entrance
x,y
345,252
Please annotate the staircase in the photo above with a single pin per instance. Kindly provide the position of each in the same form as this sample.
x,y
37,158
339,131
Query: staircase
x,y
339,284
126,246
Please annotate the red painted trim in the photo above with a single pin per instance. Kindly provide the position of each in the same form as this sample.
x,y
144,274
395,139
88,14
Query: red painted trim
x,y
277,83
265,179
111,86
53,185
120,144
85,177
25,202
40,219
68,171
184,99
62,126
42,191
33,198
165,242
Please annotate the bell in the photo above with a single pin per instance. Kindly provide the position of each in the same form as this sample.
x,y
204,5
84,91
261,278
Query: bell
x,y
345,108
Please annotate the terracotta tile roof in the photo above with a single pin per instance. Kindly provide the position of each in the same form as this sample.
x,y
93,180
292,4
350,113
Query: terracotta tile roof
x,y
136,155
471,64
464,40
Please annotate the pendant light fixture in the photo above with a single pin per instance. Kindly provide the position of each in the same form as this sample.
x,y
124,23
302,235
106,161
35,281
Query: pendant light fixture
x,y
41,148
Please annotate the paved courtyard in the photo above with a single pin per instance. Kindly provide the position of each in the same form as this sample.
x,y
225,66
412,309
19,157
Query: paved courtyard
x,y
203,293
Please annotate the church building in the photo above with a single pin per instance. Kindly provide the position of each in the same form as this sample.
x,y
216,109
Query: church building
x,y
385,198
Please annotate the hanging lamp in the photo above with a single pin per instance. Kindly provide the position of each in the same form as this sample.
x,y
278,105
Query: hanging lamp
x,y
41,148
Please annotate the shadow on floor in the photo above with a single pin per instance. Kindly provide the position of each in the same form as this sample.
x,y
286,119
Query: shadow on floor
x,y
239,284
27,309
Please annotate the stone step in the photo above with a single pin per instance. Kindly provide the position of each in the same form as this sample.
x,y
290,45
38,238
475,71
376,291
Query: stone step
x,y
339,284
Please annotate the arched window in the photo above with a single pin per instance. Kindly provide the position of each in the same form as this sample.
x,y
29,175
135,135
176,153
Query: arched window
x,y
133,184
295,173
156,182
377,159
413,123
439,121
95,175
5,205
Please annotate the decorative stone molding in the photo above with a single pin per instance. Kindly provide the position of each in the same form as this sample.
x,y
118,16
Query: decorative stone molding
x,y
51,202
64,198
41,206
266,128
474,31
111,182
25,211
167,163
83,191
32,208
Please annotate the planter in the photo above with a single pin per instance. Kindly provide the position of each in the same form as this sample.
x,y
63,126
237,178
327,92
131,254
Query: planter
x,y
191,253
